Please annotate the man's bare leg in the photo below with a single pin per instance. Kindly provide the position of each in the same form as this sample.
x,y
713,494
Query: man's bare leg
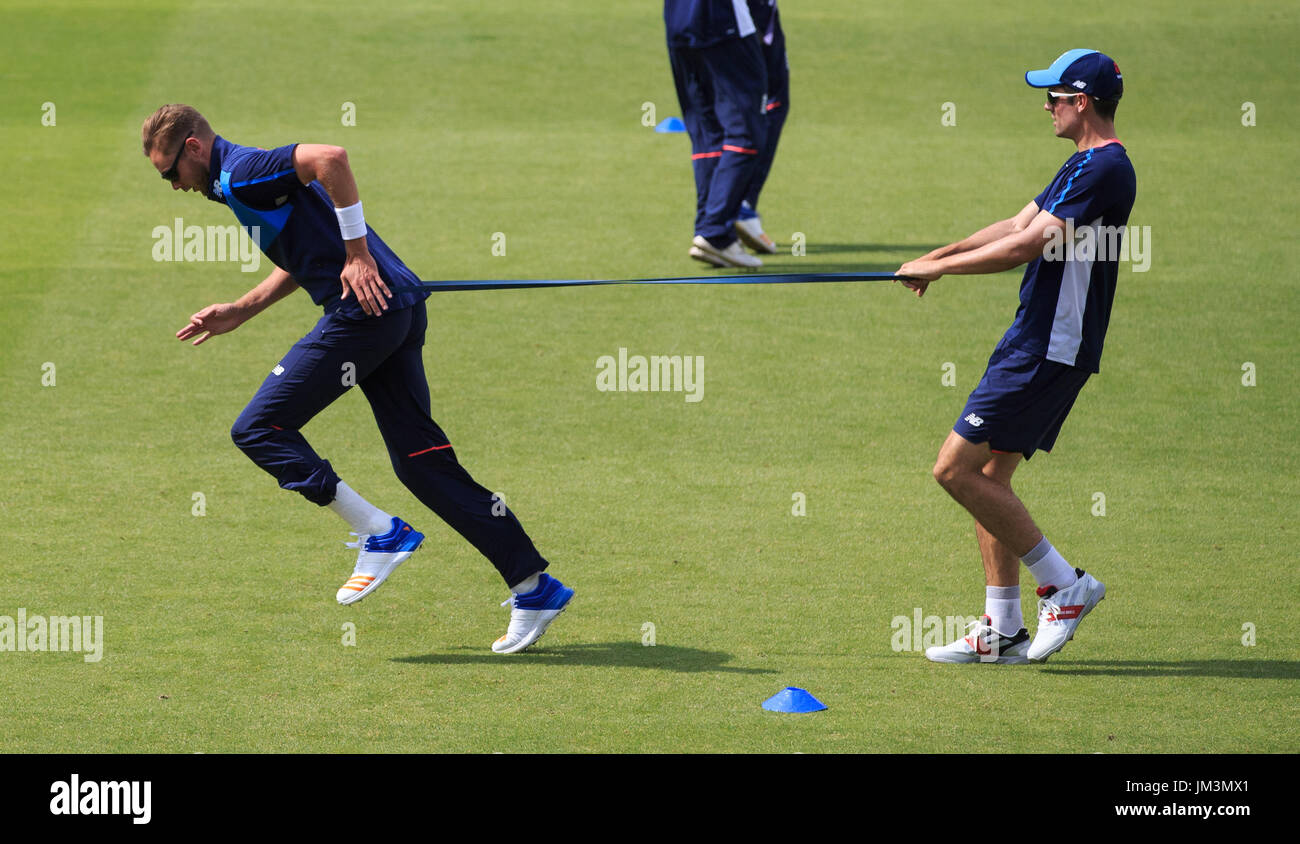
x,y
960,469
1001,564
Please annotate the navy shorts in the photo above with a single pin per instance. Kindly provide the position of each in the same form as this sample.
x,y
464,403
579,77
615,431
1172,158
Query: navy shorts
x,y
1021,402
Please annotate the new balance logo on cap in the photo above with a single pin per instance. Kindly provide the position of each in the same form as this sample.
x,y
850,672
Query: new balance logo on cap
x,y
974,420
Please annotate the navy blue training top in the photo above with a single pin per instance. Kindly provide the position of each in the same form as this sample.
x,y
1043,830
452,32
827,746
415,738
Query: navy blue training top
x,y
1065,300
297,227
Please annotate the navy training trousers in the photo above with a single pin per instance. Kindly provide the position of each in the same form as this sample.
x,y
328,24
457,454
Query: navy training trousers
x,y
384,356
720,89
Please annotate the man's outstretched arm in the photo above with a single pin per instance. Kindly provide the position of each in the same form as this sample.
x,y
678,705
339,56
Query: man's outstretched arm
x,y
1018,246
220,319
986,235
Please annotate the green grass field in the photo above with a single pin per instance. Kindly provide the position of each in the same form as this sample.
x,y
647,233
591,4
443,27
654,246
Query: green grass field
x,y
221,632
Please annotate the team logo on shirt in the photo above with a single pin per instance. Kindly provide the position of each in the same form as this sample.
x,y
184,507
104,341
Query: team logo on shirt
x,y
216,188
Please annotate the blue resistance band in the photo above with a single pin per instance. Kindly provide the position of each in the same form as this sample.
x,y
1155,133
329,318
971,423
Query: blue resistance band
x,y
759,278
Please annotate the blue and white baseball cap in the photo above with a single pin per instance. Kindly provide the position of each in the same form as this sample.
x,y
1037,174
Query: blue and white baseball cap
x,y
1086,71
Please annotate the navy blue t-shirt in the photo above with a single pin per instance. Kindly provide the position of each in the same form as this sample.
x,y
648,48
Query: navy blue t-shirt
x,y
1065,301
297,227
702,23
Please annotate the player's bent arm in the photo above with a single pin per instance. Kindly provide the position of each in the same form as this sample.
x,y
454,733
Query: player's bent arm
x,y
329,166
986,235
273,288
227,316
1015,248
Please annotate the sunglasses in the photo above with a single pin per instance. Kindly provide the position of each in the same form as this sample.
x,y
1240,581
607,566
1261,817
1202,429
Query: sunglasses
x,y
1054,97
172,174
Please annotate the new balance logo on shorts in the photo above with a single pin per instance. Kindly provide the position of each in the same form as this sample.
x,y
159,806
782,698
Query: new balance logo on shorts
x,y
974,420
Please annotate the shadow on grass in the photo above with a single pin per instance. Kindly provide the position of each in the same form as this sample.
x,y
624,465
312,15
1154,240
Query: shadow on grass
x,y
1244,669
788,264
815,248
784,262
620,654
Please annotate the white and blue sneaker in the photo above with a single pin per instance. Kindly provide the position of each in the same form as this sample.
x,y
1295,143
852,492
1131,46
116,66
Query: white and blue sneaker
x,y
531,613
377,557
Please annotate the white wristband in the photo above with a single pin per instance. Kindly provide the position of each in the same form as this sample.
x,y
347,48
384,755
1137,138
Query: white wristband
x,y
351,223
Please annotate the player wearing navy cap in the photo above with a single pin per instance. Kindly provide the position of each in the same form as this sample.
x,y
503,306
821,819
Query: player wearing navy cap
x,y
1037,370
300,203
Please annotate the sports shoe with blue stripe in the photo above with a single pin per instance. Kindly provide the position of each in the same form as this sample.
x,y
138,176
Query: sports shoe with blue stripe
x,y
533,612
376,559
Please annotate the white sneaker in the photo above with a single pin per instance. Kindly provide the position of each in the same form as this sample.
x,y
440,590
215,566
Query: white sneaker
x,y
1061,610
983,644
751,231
377,557
733,256
532,613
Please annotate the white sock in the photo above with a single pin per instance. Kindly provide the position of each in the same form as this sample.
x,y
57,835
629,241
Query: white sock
x,y
527,585
1002,606
1048,567
364,517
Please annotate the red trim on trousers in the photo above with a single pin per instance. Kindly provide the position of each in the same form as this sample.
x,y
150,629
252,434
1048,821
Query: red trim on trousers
x,y
429,449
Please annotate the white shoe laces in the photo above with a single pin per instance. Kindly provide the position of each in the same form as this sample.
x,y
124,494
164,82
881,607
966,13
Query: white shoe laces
x,y
975,629
360,542
1046,607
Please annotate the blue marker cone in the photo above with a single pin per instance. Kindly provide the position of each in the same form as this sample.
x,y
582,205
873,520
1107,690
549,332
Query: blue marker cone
x,y
792,699
671,124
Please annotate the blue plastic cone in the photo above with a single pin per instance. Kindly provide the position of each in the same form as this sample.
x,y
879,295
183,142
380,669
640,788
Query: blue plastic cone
x,y
671,124
792,699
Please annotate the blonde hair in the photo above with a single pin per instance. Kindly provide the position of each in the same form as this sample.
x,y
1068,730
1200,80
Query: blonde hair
x,y
170,123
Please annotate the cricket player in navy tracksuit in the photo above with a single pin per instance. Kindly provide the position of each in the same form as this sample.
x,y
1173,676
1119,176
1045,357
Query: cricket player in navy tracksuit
x,y
721,81
767,22
300,202
1043,360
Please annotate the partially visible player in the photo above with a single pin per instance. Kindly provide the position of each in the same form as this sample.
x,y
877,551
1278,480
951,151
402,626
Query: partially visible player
x,y
767,20
1042,362
721,80
301,203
